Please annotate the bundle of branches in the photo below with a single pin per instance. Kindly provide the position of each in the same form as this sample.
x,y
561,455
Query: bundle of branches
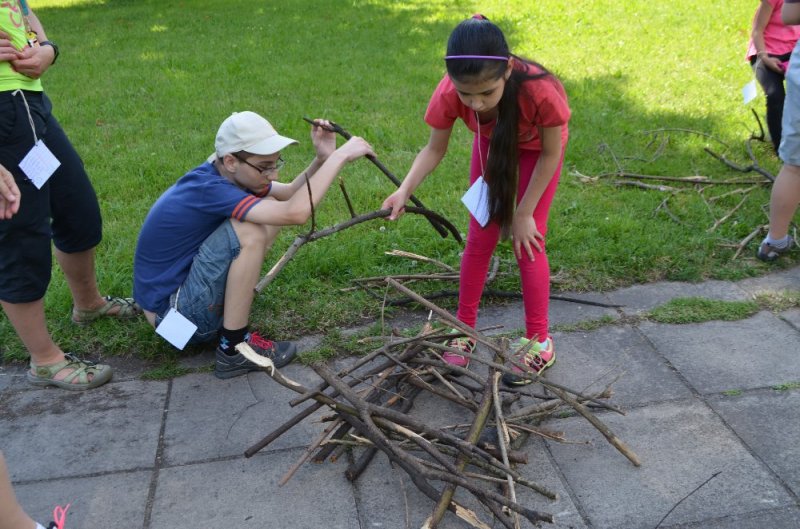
x,y
371,401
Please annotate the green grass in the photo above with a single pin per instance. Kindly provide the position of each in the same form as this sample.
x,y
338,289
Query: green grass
x,y
142,86
698,310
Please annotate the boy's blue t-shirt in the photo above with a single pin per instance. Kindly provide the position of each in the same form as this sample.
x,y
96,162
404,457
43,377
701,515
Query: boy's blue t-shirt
x,y
177,224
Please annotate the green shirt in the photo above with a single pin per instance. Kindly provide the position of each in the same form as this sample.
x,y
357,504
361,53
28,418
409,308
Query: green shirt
x,y
12,23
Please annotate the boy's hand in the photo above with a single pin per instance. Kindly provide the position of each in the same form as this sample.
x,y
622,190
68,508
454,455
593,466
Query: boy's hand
x,y
33,62
7,50
355,148
9,194
323,138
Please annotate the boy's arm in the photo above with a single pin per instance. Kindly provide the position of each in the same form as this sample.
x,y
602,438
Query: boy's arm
x,y
324,141
297,209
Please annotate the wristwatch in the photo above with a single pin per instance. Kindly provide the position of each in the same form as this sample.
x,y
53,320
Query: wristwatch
x,y
52,45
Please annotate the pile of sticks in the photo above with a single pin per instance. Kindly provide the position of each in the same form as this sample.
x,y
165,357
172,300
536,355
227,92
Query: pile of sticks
x,y
371,401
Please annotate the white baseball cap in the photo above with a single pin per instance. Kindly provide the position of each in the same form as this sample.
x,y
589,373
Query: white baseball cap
x,y
249,132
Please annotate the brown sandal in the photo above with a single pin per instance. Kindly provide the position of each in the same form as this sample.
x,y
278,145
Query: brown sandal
x,y
120,308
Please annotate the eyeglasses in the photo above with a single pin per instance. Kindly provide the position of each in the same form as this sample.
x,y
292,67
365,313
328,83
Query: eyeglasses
x,y
265,171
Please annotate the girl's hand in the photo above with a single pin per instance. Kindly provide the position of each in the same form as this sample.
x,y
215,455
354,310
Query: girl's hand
x,y
34,61
397,202
323,139
772,63
7,50
525,235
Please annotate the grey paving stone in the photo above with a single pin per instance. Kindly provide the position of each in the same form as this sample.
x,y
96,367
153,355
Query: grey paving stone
x,y
111,500
211,418
718,356
681,445
511,315
245,493
591,360
12,377
793,317
65,434
642,298
540,469
785,518
788,279
769,422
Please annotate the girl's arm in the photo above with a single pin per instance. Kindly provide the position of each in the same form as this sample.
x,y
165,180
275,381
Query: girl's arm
x,y
426,161
790,13
760,21
523,227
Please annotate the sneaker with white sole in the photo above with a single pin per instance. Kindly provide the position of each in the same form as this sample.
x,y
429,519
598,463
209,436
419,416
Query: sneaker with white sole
x,y
533,357
462,343
229,366
768,253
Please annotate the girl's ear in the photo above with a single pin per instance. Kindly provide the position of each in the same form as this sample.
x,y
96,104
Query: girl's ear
x,y
509,68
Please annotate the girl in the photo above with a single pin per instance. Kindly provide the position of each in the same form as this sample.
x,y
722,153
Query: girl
x,y
771,44
519,113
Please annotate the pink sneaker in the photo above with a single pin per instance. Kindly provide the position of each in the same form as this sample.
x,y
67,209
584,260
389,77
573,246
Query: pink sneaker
x,y
533,357
462,344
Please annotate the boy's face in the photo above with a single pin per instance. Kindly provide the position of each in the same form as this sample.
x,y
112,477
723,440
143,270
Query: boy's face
x,y
255,171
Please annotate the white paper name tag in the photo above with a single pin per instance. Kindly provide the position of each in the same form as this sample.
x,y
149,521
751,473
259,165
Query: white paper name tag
x,y
39,164
749,92
477,201
176,329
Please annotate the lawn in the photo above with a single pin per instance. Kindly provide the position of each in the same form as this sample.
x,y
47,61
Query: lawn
x,y
141,87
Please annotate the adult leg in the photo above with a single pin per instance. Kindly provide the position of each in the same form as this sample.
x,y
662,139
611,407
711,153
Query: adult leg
x,y
784,200
76,224
11,514
28,320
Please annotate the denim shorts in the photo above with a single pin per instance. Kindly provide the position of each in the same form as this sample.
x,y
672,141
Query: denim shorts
x,y
201,297
789,150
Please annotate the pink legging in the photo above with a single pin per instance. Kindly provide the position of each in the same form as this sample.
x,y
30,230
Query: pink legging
x,y
481,242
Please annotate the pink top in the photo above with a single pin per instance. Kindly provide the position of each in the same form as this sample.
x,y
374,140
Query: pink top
x,y
779,39
543,103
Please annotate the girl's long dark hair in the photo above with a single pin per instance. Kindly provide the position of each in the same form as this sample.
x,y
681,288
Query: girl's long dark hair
x,y
479,36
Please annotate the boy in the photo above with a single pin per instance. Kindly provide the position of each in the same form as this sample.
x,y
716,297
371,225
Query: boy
x,y
203,243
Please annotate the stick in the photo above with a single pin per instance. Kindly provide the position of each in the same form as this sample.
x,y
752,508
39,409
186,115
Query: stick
x,y
346,135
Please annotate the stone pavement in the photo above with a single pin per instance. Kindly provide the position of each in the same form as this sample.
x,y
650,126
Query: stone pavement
x,y
715,400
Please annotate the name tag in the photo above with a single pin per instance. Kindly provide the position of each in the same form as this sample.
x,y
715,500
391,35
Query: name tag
x,y
477,201
39,164
176,329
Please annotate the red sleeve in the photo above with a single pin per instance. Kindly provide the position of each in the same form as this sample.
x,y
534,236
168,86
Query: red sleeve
x,y
444,106
545,103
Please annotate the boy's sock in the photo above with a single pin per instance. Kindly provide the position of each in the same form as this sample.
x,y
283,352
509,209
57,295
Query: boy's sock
x,y
777,243
228,339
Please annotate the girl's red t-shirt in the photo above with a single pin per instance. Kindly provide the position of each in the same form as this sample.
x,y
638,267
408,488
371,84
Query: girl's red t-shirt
x,y
542,102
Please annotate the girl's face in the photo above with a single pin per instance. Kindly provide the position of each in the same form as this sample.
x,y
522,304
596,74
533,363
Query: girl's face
x,y
481,94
